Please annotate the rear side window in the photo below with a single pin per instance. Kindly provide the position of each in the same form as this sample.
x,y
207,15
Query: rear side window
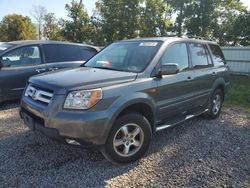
x,y
62,52
177,54
199,55
217,55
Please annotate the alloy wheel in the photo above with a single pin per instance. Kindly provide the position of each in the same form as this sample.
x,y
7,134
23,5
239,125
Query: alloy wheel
x,y
128,140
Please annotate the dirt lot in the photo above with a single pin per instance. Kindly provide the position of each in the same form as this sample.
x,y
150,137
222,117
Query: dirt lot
x,y
198,153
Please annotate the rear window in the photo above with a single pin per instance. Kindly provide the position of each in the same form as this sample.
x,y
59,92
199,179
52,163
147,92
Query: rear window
x,y
199,55
62,52
217,55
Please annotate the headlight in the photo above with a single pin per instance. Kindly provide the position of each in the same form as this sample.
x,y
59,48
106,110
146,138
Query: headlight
x,y
83,99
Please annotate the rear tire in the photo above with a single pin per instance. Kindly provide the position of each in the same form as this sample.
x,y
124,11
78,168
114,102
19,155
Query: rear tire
x,y
128,140
215,105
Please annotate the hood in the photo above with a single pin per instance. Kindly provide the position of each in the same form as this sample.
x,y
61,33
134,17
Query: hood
x,y
80,78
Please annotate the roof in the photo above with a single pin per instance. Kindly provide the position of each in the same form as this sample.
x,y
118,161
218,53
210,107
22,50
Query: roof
x,y
33,42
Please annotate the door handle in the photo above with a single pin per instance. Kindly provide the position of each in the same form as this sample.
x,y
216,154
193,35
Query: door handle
x,y
40,70
214,73
53,69
189,78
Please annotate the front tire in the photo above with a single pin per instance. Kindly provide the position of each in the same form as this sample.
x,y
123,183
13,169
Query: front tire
x,y
215,105
128,140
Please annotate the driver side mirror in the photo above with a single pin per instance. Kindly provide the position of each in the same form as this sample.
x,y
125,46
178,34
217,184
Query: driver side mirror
x,y
168,69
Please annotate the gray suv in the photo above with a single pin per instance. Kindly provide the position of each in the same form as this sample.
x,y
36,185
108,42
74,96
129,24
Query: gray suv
x,y
126,92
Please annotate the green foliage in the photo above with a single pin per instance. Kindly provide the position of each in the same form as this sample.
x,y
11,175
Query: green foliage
x,y
201,17
238,94
123,19
118,18
226,21
228,13
180,8
154,20
51,29
17,27
78,28
241,29
97,34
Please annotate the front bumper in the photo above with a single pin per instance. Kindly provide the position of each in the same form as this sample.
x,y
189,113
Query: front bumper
x,y
89,128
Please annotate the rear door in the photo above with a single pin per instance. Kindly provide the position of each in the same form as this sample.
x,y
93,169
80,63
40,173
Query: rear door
x,y
175,91
58,56
19,64
204,73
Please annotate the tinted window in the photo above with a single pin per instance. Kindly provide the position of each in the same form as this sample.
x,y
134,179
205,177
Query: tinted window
x,y
62,52
199,55
29,55
217,55
125,56
177,54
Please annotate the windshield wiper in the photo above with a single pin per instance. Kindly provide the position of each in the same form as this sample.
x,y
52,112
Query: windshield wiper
x,y
108,68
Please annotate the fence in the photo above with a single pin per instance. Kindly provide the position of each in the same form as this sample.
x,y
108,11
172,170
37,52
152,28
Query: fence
x,y
238,59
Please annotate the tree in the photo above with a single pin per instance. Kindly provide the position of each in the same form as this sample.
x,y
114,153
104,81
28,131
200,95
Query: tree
x,y
17,27
241,29
228,12
78,29
154,20
119,19
97,35
51,29
38,13
179,8
202,17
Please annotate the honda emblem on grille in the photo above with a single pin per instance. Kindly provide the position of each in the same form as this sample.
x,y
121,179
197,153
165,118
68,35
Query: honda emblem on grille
x,y
34,94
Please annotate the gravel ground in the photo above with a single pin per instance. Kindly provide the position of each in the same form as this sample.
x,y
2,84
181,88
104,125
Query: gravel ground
x,y
197,153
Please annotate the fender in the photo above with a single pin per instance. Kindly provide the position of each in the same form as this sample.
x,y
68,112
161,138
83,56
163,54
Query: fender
x,y
125,101
218,82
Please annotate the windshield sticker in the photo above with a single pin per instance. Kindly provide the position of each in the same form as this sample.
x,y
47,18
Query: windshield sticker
x,y
3,48
148,44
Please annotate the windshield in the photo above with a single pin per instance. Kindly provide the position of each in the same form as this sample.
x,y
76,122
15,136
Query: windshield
x,y
125,56
5,46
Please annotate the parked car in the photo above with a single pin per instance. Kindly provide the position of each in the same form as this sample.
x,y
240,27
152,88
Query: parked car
x,y
21,59
130,89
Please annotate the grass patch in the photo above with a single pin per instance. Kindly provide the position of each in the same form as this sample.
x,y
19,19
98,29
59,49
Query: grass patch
x,y
239,92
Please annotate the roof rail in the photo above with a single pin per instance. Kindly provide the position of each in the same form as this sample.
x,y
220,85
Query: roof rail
x,y
193,37
186,36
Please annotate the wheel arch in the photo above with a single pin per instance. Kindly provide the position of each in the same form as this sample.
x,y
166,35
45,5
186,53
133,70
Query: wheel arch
x,y
219,84
140,103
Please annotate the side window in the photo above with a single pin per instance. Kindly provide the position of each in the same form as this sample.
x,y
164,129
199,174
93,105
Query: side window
x,y
64,52
24,56
217,55
199,55
177,54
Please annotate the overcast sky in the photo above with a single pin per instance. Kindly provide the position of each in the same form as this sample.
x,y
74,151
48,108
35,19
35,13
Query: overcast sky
x,y
56,6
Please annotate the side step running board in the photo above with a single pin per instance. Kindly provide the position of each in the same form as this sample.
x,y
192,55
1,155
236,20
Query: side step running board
x,y
186,118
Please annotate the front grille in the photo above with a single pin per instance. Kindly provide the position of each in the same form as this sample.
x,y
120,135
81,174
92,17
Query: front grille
x,y
38,94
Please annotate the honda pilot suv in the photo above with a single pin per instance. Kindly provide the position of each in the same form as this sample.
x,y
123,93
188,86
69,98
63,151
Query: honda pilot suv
x,y
126,92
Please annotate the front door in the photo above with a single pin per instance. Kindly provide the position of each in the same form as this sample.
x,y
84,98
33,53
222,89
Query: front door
x,y
175,91
19,64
